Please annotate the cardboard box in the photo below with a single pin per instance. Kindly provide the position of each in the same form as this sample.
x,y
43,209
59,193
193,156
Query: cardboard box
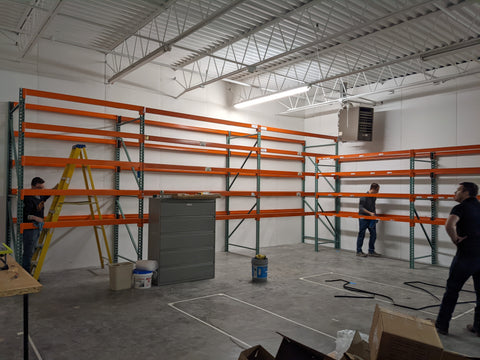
x,y
289,350
358,350
293,350
396,336
255,353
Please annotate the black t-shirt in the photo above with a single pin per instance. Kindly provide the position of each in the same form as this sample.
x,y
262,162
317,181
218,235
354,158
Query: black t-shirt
x,y
33,205
366,203
469,225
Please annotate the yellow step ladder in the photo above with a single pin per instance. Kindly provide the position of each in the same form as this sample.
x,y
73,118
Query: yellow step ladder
x,y
79,151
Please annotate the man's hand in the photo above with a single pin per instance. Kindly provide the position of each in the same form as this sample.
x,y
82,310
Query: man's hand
x,y
35,218
459,239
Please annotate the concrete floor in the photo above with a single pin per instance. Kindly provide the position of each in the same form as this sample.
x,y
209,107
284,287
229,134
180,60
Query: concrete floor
x,y
76,316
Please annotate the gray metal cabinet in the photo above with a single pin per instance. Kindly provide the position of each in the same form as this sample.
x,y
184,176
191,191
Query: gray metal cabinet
x,y
181,237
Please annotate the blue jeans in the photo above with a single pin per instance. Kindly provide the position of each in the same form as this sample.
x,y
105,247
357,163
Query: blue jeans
x,y
30,242
460,270
371,225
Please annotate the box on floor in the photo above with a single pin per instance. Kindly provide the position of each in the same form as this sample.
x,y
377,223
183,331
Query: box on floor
x,y
289,350
397,336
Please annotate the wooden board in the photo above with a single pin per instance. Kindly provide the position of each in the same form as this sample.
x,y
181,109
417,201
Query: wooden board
x,y
16,281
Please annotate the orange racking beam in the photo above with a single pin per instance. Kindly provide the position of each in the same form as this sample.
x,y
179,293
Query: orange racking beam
x,y
222,146
386,195
137,193
81,99
67,111
403,154
110,192
79,130
244,214
79,192
75,139
109,219
142,110
115,134
78,223
82,139
234,123
383,217
54,161
125,165
415,172
215,152
155,123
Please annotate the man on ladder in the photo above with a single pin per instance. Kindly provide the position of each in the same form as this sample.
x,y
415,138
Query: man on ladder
x,y
33,212
78,152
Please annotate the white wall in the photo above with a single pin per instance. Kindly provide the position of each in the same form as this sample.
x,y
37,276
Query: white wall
x,y
432,116
81,72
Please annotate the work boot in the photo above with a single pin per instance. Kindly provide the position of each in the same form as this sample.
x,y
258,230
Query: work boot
x,y
362,254
473,330
374,254
441,330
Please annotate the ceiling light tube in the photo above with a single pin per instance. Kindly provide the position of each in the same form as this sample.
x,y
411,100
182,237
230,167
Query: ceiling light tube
x,y
237,82
271,97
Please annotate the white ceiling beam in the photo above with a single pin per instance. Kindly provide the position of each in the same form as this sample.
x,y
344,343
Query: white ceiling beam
x,y
314,43
250,32
167,46
34,38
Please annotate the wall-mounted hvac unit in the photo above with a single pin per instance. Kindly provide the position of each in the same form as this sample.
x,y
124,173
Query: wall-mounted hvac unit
x,y
355,123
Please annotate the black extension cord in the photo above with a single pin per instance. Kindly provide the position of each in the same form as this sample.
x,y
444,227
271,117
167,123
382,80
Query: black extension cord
x,y
408,283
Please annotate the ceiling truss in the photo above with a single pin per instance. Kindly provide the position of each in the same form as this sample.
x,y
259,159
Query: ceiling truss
x,y
341,48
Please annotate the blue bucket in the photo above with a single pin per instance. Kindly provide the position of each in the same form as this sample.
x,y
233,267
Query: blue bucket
x,y
259,269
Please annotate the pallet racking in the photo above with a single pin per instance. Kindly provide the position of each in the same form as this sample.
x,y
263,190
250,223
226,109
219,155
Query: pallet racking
x,y
122,115
126,141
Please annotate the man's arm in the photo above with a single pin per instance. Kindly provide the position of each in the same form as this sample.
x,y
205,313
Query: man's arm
x,y
451,228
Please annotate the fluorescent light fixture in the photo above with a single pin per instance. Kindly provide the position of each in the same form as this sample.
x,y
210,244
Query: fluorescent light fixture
x,y
237,82
271,97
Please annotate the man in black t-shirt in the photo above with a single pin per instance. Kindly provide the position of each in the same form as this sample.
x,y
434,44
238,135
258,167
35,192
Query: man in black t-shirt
x,y
366,207
463,227
33,212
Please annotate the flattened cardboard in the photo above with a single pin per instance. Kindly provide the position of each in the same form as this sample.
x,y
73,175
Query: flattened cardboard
x,y
396,336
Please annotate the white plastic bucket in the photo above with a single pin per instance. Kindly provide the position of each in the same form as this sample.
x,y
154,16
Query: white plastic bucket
x,y
142,279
